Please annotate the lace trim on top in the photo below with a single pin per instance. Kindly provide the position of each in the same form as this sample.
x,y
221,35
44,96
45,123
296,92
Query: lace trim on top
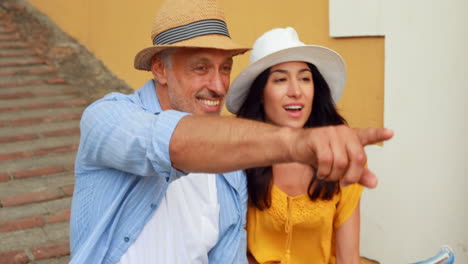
x,y
297,209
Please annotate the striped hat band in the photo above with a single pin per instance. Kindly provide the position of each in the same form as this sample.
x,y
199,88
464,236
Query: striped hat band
x,y
192,30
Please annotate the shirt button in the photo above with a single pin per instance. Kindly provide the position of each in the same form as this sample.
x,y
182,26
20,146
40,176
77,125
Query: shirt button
x,y
126,239
153,206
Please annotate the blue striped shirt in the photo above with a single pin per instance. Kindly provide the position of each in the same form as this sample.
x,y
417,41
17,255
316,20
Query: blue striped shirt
x,y
122,171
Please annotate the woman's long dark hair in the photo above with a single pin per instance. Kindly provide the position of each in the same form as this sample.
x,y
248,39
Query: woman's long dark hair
x,y
323,114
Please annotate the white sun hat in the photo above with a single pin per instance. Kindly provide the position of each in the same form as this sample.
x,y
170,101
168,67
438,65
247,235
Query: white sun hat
x,y
282,45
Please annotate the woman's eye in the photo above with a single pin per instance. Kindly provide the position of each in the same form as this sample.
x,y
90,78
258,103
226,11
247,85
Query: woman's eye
x,y
278,80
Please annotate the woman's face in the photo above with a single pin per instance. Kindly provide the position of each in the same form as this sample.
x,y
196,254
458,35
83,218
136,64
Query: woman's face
x,y
288,94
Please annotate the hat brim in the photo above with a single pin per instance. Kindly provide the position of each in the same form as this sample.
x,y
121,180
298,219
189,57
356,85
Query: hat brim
x,y
143,58
329,63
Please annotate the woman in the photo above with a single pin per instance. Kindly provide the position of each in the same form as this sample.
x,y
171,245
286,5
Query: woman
x,y
293,216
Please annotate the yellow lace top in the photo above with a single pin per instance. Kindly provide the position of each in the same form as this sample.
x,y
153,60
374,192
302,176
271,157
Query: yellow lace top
x,y
298,230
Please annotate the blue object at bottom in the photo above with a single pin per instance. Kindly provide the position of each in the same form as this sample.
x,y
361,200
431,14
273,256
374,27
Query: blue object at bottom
x,y
445,256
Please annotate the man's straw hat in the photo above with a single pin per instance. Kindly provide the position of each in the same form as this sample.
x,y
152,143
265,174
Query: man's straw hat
x,y
188,24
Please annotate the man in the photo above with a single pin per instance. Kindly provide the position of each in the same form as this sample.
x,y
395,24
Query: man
x,y
138,197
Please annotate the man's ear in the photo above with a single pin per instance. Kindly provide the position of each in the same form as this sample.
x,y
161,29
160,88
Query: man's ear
x,y
158,70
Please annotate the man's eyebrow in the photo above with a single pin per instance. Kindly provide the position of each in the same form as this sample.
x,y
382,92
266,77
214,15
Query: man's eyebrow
x,y
200,59
203,59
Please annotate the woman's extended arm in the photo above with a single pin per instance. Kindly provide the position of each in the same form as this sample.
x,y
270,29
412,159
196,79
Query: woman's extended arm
x,y
347,239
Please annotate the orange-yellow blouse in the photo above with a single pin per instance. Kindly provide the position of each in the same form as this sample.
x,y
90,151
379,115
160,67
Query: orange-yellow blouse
x,y
298,230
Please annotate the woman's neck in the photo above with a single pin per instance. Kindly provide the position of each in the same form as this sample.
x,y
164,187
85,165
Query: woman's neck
x,y
292,178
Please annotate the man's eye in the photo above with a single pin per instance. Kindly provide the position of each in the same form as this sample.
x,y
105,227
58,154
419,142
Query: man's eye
x,y
227,68
201,68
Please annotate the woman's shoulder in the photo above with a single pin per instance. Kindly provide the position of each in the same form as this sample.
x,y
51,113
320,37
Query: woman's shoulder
x,y
353,190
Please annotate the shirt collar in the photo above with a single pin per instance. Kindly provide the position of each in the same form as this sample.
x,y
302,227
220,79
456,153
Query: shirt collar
x,y
149,98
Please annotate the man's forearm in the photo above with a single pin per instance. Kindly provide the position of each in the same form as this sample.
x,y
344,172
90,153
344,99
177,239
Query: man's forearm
x,y
221,144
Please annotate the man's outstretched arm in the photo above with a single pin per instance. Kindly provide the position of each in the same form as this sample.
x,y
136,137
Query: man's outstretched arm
x,y
221,144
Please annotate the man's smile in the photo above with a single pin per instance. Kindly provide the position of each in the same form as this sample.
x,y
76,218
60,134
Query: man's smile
x,y
210,102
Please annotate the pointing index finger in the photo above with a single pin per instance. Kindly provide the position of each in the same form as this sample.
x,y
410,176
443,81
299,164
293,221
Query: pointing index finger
x,y
370,136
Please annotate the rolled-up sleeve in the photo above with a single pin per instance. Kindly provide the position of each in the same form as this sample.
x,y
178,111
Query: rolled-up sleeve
x,y
121,135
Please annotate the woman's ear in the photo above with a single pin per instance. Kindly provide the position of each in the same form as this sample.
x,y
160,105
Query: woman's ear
x,y
159,70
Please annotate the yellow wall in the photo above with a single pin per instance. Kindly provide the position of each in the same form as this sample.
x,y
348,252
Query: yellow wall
x,y
115,30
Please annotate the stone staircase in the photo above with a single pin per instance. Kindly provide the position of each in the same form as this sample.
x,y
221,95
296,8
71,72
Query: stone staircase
x,y
46,81
39,136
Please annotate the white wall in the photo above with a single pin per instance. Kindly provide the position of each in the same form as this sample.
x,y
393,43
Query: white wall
x,y
365,20
422,199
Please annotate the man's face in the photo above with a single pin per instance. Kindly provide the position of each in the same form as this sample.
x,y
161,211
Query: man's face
x,y
197,80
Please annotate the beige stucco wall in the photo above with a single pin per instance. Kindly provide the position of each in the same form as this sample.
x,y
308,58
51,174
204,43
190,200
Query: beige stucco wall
x,y
115,30
422,202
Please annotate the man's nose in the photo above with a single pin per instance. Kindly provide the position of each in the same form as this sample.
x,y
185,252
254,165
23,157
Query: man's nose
x,y
218,83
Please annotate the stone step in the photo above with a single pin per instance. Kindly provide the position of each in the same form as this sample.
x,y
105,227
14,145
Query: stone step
x,y
35,61
14,45
26,77
41,115
7,29
38,152
33,197
35,136
38,128
23,239
24,71
36,184
17,53
4,19
9,36
52,253
60,260
57,232
35,172
33,101
18,138
25,68
40,88
30,210
58,116
32,162
36,93
12,40
21,59
20,83
43,143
